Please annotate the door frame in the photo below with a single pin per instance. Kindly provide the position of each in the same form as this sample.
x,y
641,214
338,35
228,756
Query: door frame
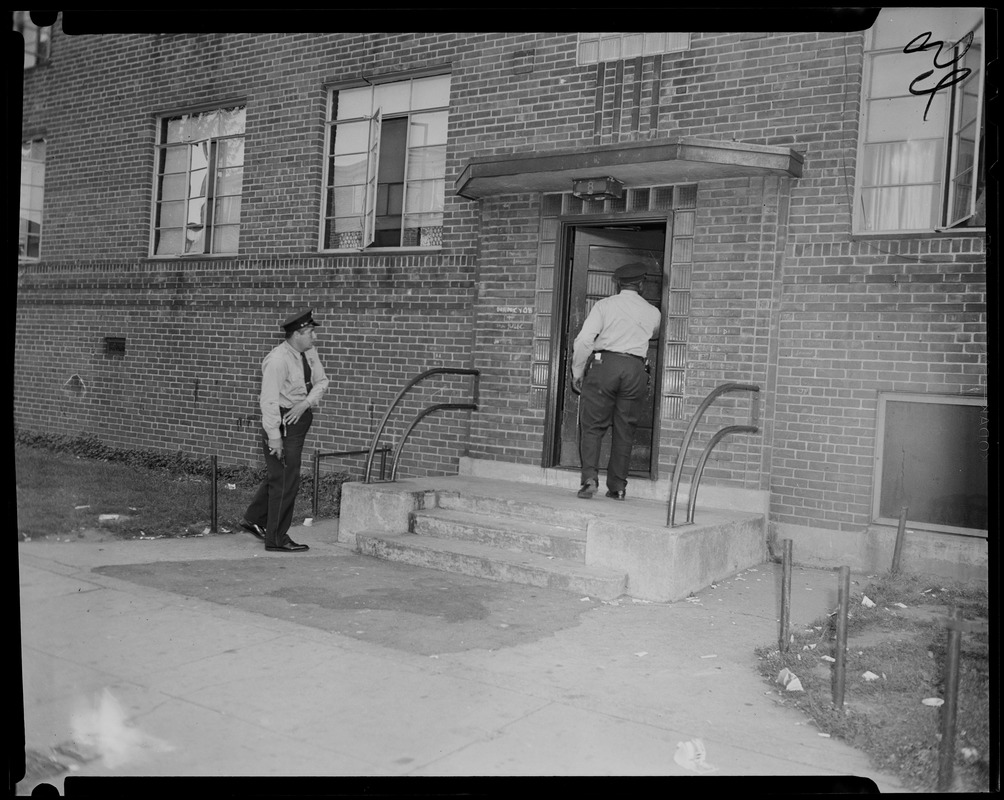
x,y
561,345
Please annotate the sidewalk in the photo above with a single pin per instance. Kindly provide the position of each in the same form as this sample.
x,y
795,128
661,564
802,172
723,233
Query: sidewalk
x,y
226,660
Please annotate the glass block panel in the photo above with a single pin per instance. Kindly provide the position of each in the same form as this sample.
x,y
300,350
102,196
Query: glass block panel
x,y
549,229
538,397
672,407
683,251
544,302
679,303
683,223
542,350
551,205
542,326
681,275
540,374
638,199
676,355
545,254
686,197
572,205
662,198
545,279
672,381
676,329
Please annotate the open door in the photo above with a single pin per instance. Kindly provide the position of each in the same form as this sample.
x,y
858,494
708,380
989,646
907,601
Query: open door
x,y
596,252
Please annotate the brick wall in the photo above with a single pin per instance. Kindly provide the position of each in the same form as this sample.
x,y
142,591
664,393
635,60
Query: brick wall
x,y
195,339
782,295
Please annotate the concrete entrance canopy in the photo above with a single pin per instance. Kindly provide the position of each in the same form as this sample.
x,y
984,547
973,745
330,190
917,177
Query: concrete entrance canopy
x,y
684,160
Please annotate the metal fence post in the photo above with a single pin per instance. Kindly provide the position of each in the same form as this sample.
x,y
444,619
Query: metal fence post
x,y
946,751
840,666
783,635
900,535
213,496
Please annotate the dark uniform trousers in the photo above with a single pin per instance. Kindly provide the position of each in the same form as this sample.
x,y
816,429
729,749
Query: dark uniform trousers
x,y
613,389
272,505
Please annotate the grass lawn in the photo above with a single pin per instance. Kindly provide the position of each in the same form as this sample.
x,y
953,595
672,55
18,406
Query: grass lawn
x,y
61,495
895,660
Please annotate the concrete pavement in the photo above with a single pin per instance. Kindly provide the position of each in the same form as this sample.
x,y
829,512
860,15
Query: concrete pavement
x,y
208,656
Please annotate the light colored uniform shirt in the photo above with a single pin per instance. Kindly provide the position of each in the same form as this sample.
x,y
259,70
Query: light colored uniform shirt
x,y
283,384
623,323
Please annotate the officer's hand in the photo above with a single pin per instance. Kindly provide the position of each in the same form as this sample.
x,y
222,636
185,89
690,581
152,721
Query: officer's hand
x,y
275,447
297,411
577,385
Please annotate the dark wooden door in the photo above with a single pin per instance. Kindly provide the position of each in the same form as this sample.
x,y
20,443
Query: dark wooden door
x,y
596,254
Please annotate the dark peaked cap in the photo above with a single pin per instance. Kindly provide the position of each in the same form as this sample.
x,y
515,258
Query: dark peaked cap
x,y
301,319
629,273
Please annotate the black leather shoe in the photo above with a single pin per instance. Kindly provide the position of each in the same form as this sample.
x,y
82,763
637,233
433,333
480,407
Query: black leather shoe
x,y
257,530
288,547
587,490
617,495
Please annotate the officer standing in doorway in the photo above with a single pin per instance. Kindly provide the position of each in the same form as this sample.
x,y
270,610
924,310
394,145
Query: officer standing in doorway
x,y
292,384
610,372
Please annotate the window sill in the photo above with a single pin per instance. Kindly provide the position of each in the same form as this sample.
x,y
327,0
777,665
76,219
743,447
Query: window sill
x,y
932,234
381,251
930,528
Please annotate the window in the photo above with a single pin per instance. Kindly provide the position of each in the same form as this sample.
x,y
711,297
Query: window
x,y
596,47
200,170
921,163
386,165
932,458
36,39
32,190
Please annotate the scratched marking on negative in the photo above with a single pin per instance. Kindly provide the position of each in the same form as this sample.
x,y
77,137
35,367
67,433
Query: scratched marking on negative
x,y
923,42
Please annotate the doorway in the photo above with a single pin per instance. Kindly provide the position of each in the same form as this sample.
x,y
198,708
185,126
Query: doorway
x,y
591,255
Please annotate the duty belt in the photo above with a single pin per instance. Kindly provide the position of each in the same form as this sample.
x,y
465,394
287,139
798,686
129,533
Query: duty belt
x,y
615,353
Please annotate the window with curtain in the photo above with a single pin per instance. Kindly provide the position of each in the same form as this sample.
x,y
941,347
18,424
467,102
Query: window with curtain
x,y
32,191
200,172
920,161
385,170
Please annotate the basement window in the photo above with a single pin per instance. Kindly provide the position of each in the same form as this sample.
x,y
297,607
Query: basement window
x,y
931,457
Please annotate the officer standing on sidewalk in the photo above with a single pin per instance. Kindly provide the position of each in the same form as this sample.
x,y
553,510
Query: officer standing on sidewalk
x,y
293,382
610,372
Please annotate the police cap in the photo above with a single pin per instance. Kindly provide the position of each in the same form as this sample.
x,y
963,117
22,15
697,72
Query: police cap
x,y
630,273
301,319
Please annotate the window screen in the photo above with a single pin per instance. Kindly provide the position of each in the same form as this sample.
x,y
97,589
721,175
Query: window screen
x,y
933,461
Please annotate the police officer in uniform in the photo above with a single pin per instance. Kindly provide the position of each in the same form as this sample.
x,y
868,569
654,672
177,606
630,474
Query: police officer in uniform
x,y
610,373
293,382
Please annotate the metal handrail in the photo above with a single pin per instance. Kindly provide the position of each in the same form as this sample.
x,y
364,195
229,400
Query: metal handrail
x,y
383,451
407,387
681,455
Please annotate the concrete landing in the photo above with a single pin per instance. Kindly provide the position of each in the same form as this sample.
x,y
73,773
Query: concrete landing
x,y
628,547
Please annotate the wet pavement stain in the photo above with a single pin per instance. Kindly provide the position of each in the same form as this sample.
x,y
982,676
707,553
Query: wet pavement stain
x,y
400,606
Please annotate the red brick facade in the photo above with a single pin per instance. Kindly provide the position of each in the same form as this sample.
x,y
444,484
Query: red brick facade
x,y
780,293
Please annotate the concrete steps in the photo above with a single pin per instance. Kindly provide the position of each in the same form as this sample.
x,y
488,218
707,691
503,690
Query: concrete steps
x,y
499,539
542,535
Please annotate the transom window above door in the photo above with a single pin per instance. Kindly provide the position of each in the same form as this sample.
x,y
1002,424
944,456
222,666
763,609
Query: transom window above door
x,y
921,162
385,165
